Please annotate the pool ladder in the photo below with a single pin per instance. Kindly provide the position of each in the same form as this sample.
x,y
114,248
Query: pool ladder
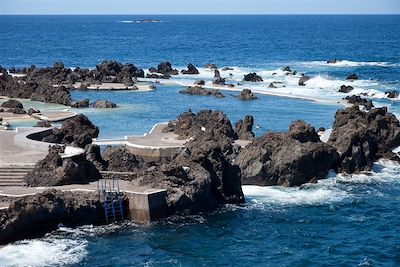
x,y
111,199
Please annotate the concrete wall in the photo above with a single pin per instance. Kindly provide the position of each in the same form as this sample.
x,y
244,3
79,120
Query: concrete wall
x,y
147,207
152,152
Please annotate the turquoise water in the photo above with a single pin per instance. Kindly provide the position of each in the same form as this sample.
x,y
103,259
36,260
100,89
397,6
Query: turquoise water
x,y
340,221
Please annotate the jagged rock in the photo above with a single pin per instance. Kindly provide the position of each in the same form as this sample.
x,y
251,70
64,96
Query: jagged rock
x,y
32,111
358,101
392,94
156,76
93,155
189,124
321,129
17,111
200,82
363,137
345,89
217,78
45,124
84,103
244,128
196,90
288,159
271,85
120,160
287,69
54,170
303,79
166,69
104,104
246,94
12,103
252,77
33,216
78,131
210,66
48,93
333,61
191,69
352,77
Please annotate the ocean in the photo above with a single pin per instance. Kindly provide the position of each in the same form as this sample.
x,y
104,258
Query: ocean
x,y
340,221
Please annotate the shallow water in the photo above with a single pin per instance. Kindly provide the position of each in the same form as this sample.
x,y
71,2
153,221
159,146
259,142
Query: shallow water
x,y
346,221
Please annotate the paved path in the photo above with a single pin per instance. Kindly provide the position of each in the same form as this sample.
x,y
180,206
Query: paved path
x,y
14,155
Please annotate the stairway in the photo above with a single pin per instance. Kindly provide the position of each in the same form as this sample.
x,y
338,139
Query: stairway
x,y
111,199
13,176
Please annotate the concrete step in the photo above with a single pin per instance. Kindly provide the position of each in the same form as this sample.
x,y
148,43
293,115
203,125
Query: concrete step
x,y
7,183
12,174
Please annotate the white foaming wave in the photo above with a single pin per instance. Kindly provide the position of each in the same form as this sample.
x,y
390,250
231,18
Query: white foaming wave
x,y
43,252
126,21
383,171
348,63
289,196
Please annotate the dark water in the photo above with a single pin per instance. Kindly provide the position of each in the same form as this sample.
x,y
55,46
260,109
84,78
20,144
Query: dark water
x,y
338,222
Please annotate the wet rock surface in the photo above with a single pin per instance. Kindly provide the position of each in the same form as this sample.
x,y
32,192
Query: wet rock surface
x,y
287,159
252,77
346,89
359,101
218,80
197,90
303,79
247,94
33,216
191,69
104,104
363,137
12,103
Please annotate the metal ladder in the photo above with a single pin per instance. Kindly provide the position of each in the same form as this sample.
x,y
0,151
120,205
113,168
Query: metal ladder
x,y
111,199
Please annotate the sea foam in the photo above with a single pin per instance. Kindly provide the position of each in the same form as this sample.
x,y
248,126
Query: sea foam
x,y
43,252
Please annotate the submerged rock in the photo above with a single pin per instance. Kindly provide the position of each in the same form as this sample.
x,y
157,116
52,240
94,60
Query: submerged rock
x,y
288,159
191,69
246,94
196,90
84,103
252,77
104,104
392,94
363,137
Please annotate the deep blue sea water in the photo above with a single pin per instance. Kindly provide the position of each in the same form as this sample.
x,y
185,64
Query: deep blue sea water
x,y
340,221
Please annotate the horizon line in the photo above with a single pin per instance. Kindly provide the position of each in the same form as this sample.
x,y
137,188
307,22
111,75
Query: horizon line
x,y
197,14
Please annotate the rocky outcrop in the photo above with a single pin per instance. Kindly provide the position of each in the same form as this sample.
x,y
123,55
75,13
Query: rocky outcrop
x,y
156,76
210,66
392,94
288,159
199,82
246,94
33,216
363,137
196,90
346,89
54,170
48,93
218,80
252,77
118,159
84,103
287,69
189,125
104,104
333,61
166,69
93,155
12,103
45,124
358,101
121,71
78,131
244,128
303,79
352,77
191,69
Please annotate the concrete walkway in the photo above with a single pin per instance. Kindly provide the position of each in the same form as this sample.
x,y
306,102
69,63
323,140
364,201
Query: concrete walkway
x,y
14,155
